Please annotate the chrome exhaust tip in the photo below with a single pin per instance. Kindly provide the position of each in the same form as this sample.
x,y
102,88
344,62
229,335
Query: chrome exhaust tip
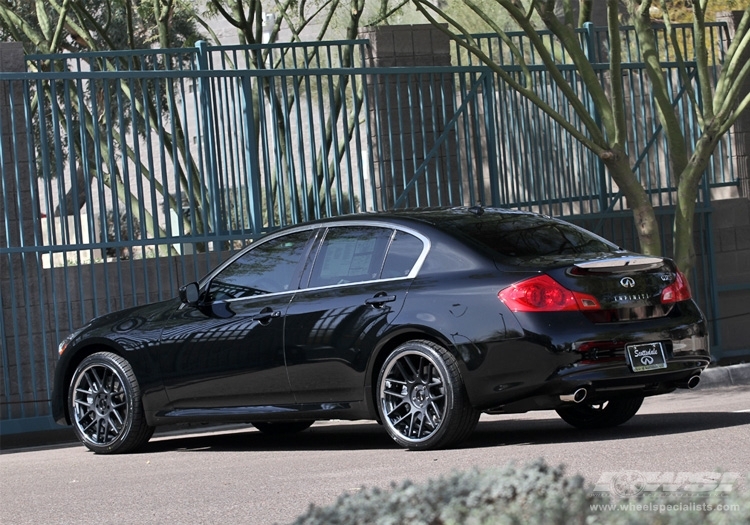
x,y
576,397
691,383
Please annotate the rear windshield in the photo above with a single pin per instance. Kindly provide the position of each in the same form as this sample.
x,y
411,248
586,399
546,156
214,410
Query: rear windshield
x,y
528,236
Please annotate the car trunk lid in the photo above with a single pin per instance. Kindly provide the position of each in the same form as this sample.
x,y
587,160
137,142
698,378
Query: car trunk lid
x,y
628,287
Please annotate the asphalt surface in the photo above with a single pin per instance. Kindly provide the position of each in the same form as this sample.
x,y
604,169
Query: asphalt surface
x,y
244,476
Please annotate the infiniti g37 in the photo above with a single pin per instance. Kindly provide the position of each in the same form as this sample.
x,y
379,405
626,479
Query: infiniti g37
x,y
421,320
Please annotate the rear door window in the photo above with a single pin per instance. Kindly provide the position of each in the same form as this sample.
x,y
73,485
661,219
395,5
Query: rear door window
x,y
403,254
350,254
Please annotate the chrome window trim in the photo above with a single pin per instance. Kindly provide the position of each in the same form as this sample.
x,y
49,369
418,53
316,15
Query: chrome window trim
x,y
253,245
426,246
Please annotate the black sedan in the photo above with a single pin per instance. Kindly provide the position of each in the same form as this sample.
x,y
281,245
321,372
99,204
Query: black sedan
x,y
419,319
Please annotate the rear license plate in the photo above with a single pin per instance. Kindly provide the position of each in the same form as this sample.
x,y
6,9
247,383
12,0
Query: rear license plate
x,y
646,356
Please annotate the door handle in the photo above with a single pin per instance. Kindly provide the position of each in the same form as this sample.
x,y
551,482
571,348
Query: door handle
x,y
380,299
266,315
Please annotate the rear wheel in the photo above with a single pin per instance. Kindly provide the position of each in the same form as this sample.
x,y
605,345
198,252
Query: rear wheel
x,y
421,397
602,414
282,427
104,402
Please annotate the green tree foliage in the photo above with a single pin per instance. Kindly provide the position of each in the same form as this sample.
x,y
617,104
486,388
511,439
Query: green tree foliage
x,y
52,26
475,23
722,101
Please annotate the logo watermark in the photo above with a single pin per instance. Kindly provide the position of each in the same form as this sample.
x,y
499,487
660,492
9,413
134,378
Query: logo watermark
x,y
631,483
661,492
662,508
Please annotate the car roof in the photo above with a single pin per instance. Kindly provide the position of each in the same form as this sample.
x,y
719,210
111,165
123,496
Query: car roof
x,y
434,215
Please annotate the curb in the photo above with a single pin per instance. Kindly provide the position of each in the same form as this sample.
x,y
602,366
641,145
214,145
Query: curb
x,y
722,376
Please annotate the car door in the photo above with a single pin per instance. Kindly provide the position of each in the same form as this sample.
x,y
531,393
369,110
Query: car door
x,y
356,286
227,351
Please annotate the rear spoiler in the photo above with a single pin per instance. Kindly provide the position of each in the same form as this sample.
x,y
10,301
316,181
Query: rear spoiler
x,y
622,264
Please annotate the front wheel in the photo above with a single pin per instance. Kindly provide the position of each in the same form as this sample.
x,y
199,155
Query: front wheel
x,y
604,414
421,397
104,402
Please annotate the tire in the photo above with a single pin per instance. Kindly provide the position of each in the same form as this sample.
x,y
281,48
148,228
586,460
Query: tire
x,y
276,428
421,397
605,414
105,406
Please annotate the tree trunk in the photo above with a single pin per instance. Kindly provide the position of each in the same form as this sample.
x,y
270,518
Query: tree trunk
x,y
687,193
684,219
639,202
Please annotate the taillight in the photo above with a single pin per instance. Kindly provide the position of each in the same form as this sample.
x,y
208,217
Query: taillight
x,y
678,291
544,294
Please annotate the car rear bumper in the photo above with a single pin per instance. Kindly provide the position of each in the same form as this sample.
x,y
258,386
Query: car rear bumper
x,y
602,384
533,372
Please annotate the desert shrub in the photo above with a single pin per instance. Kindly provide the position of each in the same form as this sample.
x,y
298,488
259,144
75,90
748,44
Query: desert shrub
x,y
534,494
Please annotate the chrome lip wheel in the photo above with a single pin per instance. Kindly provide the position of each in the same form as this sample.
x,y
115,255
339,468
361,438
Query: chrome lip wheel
x,y
100,405
412,396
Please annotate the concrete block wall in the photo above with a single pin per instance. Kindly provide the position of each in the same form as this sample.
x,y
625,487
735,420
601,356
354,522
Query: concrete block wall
x,y
731,222
407,45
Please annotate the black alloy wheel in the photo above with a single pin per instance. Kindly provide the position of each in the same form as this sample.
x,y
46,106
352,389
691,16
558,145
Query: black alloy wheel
x,y
421,397
602,414
104,402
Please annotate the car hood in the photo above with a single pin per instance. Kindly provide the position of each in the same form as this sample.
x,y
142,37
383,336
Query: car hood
x,y
123,324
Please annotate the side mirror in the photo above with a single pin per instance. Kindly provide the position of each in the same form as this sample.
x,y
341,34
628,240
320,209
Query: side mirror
x,y
189,294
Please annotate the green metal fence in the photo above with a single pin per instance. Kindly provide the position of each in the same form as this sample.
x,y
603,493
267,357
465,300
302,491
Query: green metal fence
x,y
136,172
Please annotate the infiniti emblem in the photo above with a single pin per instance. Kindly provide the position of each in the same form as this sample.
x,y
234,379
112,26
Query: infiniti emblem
x,y
627,282
647,360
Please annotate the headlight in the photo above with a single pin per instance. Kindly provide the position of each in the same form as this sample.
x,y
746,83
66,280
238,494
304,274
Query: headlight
x,y
65,342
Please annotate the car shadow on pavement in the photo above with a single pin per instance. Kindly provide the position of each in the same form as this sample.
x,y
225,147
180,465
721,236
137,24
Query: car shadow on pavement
x,y
553,430
489,433
321,436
